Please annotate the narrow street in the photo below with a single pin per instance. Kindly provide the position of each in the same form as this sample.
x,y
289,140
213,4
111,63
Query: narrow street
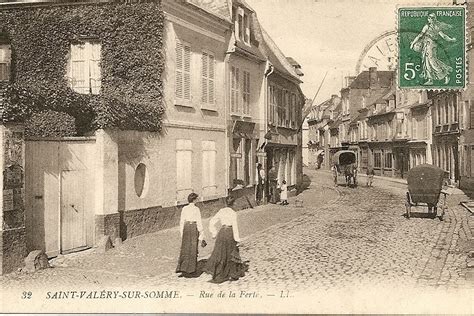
x,y
341,237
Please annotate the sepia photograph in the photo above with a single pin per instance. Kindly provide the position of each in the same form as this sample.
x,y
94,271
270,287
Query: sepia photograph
x,y
237,156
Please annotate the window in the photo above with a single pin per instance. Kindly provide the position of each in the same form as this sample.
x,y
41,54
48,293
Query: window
x,y
141,180
246,93
271,115
209,152
377,160
234,89
293,110
414,126
84,73
388,160
281,107
246,29
207,79
438,107
446,111
242,26
471,114
184,156
5,61
287,109
472,161
455,109
183,71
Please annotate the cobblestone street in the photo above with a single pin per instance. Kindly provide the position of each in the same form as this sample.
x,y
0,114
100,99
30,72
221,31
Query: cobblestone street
x,y
342,237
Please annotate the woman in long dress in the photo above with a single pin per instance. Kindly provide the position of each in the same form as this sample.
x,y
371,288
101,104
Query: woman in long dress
x,y
225,263
190,225
427,42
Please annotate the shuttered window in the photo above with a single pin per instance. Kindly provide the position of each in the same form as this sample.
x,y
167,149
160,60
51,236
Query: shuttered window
x,y
246,93
183,71
234,90
471,114
207,79
209,153
471,165
5,61
85,74
184,156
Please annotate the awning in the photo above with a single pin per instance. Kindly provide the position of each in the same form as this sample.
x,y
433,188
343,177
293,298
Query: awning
x,y
243,129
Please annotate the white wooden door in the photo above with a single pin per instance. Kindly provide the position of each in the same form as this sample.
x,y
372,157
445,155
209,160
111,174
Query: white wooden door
x,y
73,217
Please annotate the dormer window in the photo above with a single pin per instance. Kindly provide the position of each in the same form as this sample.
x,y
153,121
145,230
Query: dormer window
x,y
242,26
5,61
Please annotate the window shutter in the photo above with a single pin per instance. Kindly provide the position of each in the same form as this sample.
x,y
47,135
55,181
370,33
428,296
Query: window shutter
x,y
211,79
78,73
187,73
237,90
94,68
471,116
204,81
5,60
179,70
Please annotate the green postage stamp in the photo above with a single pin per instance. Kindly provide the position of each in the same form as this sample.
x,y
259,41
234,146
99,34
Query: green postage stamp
x,y
432,47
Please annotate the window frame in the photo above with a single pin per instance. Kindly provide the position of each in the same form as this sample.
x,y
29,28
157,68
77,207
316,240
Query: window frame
x,y
5,59
88,60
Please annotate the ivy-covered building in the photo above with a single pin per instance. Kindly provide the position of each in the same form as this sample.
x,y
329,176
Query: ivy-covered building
x,y
76,80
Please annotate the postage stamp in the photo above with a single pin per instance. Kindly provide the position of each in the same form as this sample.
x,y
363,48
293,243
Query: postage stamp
x,y
432,47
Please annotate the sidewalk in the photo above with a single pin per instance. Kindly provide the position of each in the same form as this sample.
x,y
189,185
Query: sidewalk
x,y
156,253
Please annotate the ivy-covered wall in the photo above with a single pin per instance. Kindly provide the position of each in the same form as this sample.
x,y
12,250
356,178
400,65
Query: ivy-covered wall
x,y
131,66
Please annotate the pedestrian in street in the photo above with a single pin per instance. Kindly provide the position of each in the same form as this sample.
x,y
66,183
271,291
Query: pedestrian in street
x,y
370,176
260,184
190,226
273,184
284,193
225,263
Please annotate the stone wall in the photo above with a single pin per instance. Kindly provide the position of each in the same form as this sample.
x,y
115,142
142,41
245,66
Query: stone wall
x,y
12,209
143,221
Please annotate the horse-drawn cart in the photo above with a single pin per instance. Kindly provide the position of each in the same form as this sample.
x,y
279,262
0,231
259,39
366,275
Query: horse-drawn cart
x,y
345,164
425,184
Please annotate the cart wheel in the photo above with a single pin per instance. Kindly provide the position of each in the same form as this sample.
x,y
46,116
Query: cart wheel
x,y
408,206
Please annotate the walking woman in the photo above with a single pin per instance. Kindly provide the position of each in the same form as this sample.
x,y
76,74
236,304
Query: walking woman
x,y
191,230
225,263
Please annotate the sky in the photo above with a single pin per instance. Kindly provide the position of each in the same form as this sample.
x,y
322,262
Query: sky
x,y
327,35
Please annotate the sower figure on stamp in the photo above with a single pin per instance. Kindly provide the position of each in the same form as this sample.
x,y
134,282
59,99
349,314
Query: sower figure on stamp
x,y
190,226
427,42
225,263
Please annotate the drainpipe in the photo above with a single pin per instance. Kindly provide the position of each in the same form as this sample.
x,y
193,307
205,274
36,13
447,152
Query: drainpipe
x,y
268,71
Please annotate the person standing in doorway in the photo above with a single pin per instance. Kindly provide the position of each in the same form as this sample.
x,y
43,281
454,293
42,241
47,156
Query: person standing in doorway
x,y
273,184
190,226
260,189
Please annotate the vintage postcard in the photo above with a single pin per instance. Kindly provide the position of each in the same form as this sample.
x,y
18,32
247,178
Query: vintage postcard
x,y
236,156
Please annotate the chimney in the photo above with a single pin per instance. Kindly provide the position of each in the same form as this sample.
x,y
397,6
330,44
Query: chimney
x,y
349,80
373,78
